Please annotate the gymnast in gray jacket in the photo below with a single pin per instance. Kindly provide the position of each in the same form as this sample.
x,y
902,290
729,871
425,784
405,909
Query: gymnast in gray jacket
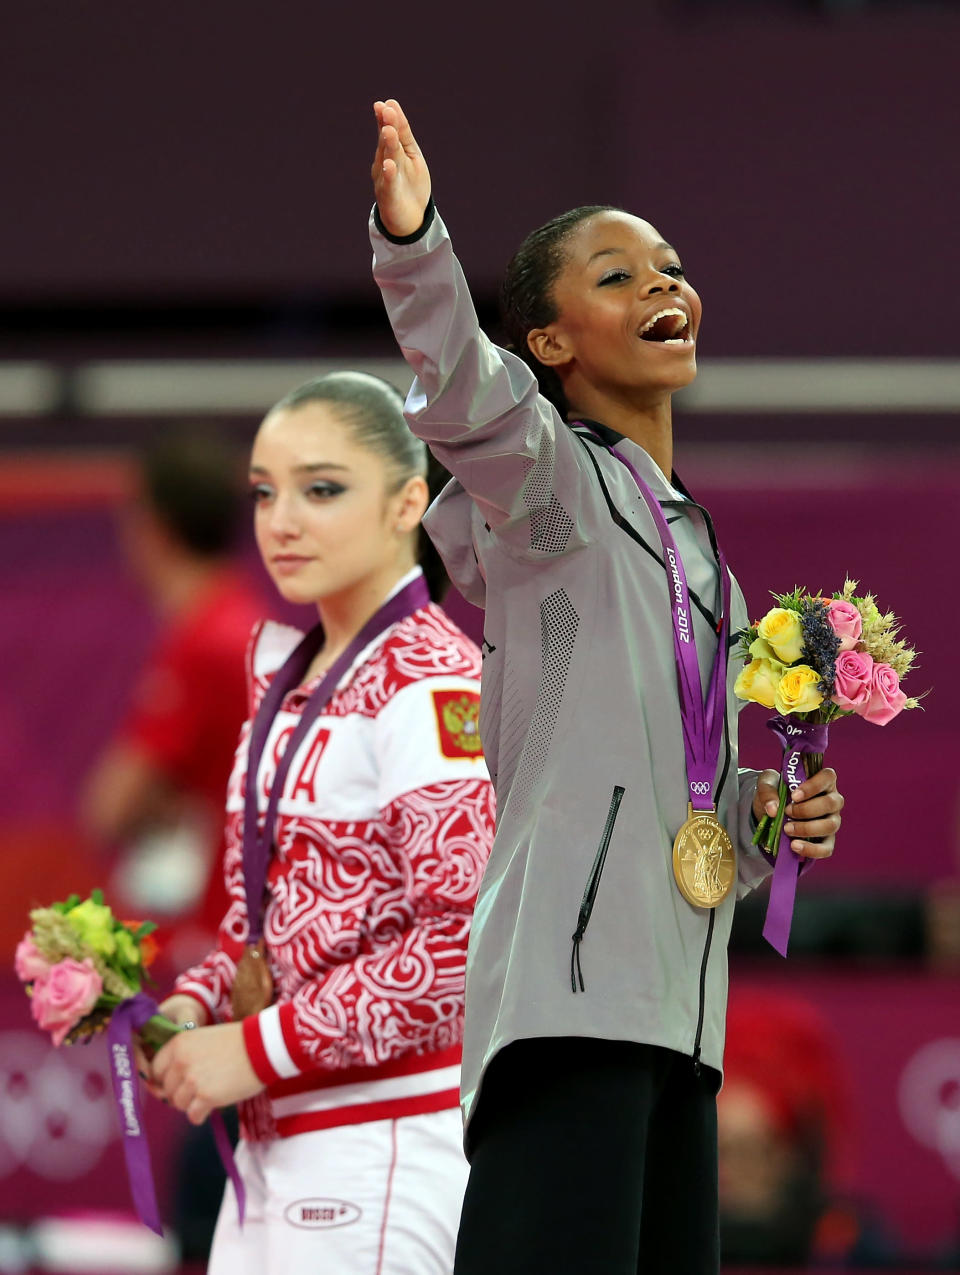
x,y
596,979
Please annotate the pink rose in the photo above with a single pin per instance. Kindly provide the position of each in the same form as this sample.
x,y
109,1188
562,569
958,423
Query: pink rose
x,y
27,961
64,995
852,685
846,622
886,698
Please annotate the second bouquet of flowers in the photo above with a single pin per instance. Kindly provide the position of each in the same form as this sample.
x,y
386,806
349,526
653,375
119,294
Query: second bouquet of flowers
x,y
84,971
814,659
80,963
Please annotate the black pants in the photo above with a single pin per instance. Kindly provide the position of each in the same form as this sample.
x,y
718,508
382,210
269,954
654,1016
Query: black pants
x,y
594,1157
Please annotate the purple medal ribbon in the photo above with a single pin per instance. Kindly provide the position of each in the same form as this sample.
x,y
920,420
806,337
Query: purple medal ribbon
x,y
128,1017
797,736
257,843
702,723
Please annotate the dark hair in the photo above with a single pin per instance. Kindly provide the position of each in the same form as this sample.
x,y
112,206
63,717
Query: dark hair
x,y
526,293
373,411
192,483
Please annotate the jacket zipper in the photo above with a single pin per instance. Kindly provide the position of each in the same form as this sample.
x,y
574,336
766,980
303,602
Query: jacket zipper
x,y
591,888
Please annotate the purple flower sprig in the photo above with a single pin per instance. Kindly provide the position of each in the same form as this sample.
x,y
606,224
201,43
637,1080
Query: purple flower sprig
x,y
820,643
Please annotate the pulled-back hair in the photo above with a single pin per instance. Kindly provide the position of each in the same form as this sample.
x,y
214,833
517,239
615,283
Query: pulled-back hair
x,y
526,294
372,410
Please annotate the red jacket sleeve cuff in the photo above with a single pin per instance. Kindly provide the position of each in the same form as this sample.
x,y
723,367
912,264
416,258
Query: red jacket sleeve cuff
x,y
272,1046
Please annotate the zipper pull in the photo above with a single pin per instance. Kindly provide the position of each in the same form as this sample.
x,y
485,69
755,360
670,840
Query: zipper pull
x,y
575,970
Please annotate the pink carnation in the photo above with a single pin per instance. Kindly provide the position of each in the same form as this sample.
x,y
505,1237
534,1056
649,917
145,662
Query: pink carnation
x,y
886,697
846,622
64,995
27,960
853,678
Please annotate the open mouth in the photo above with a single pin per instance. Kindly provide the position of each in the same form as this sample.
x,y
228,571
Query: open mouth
x,y
667,327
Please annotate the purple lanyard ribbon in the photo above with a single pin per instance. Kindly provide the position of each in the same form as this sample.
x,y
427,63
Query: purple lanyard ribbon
x,y
128,1017
702,722
257,842
798,736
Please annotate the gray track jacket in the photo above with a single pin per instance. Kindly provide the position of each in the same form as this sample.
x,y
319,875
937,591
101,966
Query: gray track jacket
x,y
579,715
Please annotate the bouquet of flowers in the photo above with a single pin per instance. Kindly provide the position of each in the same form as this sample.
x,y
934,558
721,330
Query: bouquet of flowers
x,y
814,659
79,963
84,972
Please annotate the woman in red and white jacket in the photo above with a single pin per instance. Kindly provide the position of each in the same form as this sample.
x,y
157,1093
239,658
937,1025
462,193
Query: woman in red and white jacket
x,y
340,1036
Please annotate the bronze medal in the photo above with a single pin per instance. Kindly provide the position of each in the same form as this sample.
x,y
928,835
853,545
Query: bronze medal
x,y
703,860
253,984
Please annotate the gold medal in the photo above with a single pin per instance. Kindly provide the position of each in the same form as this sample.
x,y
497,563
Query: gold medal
x,y
703,860
253,983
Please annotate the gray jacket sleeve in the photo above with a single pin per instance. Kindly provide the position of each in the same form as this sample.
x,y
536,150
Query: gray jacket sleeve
x,y
478,407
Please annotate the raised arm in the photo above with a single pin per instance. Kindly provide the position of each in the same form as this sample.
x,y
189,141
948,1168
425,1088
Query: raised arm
x,y
478,407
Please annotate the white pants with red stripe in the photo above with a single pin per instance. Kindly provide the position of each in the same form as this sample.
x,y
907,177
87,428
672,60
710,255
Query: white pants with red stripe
x,y
381,1198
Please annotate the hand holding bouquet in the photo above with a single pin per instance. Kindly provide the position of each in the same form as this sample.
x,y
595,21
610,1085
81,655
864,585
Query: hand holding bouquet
x,y
814,659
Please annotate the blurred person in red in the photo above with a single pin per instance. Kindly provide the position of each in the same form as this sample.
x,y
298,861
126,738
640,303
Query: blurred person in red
x,y
785,1142
158,789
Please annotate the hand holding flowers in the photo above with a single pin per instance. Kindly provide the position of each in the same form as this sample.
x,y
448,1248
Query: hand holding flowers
x,y
813,811
201,1070
184,1011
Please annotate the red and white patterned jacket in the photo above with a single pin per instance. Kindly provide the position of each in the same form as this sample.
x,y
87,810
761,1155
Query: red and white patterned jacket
x,y
383,832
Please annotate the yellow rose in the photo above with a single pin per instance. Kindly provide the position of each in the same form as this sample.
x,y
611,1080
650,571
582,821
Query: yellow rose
x,y
799,691
759,681
761,650
781,629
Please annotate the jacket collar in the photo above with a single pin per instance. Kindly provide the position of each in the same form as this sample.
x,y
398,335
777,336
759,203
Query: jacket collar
x,y
609,436
613,439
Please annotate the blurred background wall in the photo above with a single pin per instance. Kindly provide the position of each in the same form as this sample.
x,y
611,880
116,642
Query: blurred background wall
x,y
182,238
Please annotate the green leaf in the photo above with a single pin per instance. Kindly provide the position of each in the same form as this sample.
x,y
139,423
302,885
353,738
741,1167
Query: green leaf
x,y
97,897
143,929
792,601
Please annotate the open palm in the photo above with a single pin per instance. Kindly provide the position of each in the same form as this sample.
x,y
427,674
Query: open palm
x,y
401,180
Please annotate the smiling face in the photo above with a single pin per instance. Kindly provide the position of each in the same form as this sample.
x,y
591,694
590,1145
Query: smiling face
x,y
627,320
329,517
